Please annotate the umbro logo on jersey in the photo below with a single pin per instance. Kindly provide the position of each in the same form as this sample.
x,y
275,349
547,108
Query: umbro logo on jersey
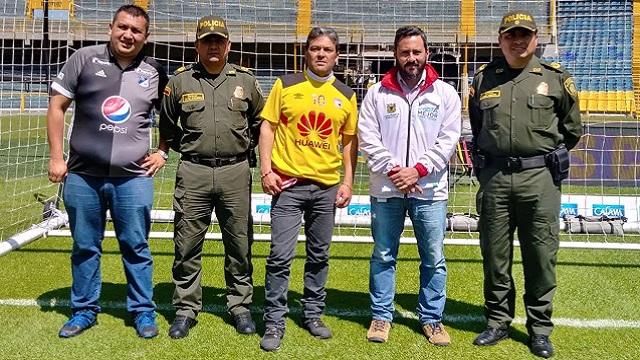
x,y
101,73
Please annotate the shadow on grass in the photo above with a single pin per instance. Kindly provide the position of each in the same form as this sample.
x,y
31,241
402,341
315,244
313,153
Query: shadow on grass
x,y
214,301
364,257
339,299
410,301
109,294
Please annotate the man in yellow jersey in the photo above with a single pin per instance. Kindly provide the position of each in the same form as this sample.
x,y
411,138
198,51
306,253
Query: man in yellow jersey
x,y
309,132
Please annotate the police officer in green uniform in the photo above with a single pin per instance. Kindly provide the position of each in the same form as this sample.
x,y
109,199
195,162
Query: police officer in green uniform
x,y
209,115
525,117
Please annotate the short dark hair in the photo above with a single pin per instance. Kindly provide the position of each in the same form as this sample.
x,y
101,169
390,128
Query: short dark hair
x,y
133,10
409,31
319,31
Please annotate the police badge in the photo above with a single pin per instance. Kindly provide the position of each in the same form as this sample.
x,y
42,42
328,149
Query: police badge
x,y
543,89
238,92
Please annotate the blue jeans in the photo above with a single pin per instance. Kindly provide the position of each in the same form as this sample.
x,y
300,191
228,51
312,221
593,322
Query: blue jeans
x,y
429,224
129,199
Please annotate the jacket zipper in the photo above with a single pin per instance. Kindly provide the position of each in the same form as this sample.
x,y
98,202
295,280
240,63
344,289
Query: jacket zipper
x,y
406,161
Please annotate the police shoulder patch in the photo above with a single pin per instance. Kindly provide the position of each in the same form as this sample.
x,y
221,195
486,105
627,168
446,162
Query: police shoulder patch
x,y
570,86
481,68
257,86
555,66
242,69
490,94
182,69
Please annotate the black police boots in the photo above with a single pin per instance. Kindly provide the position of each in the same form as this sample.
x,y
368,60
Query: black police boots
x,y
540,345
491,336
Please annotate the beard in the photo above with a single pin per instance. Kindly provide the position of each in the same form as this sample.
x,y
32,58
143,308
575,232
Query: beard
x,y
412,75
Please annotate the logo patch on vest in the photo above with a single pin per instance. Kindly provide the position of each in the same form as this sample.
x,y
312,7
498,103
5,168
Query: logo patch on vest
x,y
391,108
428,112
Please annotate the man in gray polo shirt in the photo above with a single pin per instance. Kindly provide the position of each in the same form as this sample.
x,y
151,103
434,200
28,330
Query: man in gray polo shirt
x,y
115,89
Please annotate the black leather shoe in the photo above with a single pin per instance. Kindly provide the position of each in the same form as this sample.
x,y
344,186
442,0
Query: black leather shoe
x,y
180,327
490,336
244,323
540,345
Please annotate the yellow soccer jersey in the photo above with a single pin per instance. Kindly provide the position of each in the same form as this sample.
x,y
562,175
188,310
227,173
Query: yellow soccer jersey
x,y
311,117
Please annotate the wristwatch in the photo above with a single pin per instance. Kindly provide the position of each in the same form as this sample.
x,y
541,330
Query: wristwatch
x,y
164,155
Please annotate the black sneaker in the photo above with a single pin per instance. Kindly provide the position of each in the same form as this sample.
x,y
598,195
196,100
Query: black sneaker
x,y
317,328
244,323
272,338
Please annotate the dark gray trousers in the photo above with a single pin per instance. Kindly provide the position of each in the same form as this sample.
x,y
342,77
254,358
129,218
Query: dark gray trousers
x,y
317,205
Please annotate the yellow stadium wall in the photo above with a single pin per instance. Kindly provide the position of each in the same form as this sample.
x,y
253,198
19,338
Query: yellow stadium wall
x,y
607,101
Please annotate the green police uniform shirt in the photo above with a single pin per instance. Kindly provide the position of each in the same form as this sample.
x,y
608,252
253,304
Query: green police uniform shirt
x,y
211,115
523,113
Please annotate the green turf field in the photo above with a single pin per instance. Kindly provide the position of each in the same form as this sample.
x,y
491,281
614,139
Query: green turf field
x,y
597,305
597,308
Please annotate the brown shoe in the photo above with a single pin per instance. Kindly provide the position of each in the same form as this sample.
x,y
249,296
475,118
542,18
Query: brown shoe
x,y
437,334
379,331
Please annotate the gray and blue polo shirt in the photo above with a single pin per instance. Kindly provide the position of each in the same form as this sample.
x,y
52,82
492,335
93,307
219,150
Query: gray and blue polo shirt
x,y
112,123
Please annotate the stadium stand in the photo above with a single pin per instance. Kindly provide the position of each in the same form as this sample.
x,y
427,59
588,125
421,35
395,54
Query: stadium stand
x,y
363,11
489,13
12,9
595,46
283,11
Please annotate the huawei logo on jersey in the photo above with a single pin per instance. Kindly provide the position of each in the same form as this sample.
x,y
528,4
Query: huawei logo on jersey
x,y
318,125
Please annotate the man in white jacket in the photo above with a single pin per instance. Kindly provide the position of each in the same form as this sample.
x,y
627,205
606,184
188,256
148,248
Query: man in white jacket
x,y
408,127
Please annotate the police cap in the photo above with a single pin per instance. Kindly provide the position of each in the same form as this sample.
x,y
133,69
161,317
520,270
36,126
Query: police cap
x,y
517,19
212,25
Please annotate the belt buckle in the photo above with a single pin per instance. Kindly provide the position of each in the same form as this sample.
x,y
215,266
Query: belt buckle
x,y
195,159
514,163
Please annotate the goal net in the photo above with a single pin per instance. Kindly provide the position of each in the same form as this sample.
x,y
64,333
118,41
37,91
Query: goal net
x,y
594,40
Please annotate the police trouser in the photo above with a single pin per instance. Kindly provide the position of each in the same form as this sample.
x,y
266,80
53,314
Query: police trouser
x,y
201,189
529,201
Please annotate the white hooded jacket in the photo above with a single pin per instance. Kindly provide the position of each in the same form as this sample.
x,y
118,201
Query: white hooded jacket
x,y
394,132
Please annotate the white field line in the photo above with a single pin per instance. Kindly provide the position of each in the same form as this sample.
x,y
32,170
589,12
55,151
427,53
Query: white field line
x,y
359,313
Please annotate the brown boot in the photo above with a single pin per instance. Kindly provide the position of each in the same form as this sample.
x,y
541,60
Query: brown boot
x,y
437,334
379,331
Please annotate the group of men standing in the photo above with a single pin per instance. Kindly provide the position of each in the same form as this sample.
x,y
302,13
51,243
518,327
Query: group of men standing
x,y
213,114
